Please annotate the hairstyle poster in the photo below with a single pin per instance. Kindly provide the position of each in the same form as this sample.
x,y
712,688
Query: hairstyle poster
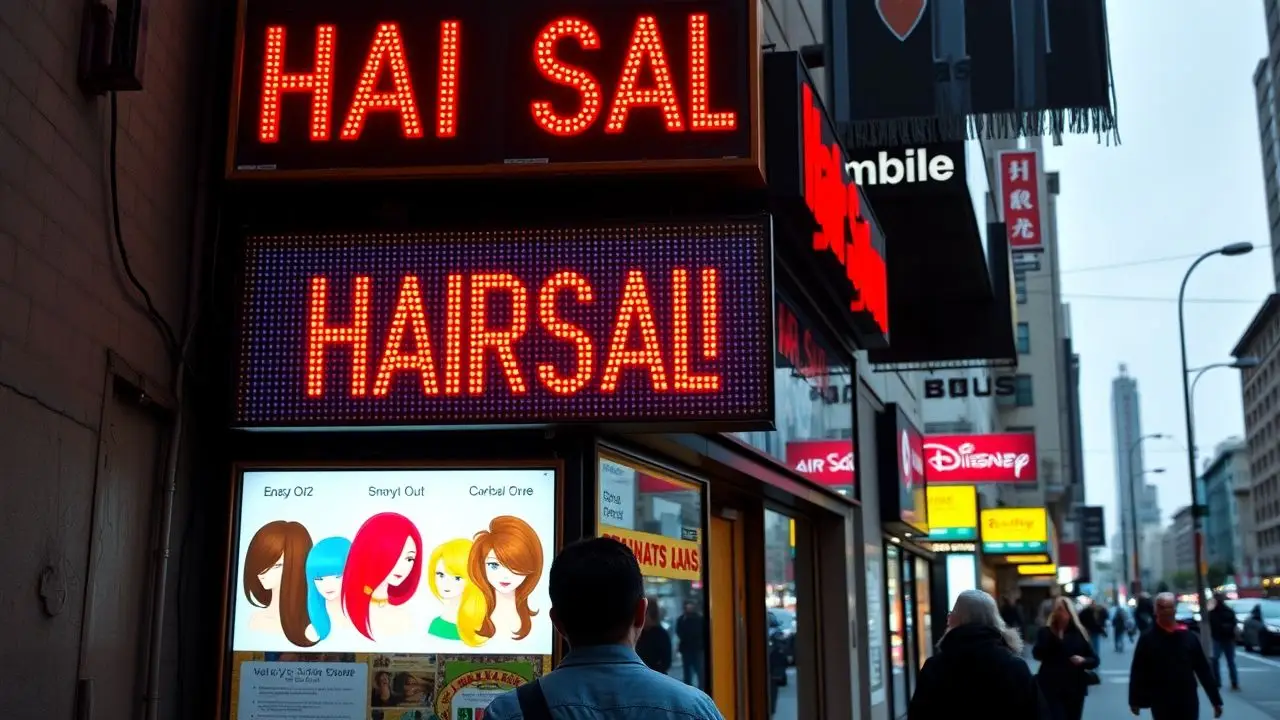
x,y
450,561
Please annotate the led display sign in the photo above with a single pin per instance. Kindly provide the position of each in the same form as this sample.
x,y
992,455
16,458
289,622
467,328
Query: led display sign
x,y
630,324
390,88
1015,531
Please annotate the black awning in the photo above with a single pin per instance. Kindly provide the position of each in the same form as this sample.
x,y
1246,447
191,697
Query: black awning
x,y
952,304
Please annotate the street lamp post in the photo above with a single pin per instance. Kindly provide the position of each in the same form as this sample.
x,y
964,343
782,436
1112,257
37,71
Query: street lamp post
x,y
1135,580
1231,250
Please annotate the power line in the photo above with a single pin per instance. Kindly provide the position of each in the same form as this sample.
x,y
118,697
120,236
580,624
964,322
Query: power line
x,y
1131,263
1142,298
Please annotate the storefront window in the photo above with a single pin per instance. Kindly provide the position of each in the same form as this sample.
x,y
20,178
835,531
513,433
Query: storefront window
x,y
897,639
780,600
909,629
660,518
924,624
815,389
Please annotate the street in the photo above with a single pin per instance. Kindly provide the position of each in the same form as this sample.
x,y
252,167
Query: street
x,y
1258,699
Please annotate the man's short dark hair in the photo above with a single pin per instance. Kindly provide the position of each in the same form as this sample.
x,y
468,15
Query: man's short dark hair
x,y
595,585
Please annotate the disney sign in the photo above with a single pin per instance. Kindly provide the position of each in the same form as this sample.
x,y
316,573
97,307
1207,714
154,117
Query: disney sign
x,y
997,458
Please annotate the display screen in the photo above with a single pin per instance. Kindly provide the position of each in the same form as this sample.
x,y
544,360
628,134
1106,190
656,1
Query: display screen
x,y
395,561
638,324
385,87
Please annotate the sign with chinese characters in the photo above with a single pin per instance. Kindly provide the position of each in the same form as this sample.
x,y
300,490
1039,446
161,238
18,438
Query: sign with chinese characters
x,y
1020,198
953,512
1014,531
998,458
826,462
638,324
386,88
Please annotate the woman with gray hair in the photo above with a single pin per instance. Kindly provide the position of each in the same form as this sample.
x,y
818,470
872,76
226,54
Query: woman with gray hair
x,y
978,665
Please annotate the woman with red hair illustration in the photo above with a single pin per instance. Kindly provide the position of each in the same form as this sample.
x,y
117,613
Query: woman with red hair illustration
x,y
382,573
275,580
505,566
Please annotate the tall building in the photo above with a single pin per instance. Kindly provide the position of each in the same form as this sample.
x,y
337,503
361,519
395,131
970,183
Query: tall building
x,y
1180,544
1228,522
1131,488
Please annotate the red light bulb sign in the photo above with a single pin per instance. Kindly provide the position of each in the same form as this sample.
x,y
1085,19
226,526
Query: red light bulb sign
x,y
386,87
643,325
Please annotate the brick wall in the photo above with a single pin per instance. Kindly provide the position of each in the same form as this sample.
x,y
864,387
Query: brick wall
x,y
62,307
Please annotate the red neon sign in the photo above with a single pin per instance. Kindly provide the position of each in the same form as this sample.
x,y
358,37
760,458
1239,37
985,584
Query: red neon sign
x,y
575,84
836,204
665,325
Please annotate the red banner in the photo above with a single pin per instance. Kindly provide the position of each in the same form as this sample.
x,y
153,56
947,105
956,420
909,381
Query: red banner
x,y
826,462
1020,198
1003,458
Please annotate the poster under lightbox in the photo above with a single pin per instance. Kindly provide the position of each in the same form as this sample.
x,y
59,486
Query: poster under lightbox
x,y
395,561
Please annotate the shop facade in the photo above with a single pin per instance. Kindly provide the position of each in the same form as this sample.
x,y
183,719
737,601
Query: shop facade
x,y
425,406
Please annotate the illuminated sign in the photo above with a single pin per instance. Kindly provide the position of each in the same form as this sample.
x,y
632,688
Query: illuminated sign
x,y
1023,559
1015,531
658,555
840,233
631,324
390,88
953,512
951,547
826,462
1033,569
998,458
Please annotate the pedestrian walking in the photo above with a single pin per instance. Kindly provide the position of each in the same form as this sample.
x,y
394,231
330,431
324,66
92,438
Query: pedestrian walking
x,y
691,631
1067,661
1119,626
598,605
978,663
1166,664
1011,614
1093,619
654,644
1222,628
1144,615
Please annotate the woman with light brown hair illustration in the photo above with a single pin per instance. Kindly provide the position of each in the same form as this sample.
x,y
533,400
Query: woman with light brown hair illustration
x,y
275,580
505,566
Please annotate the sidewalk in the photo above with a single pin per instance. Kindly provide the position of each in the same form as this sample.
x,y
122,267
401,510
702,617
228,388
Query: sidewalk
x,y
1110,700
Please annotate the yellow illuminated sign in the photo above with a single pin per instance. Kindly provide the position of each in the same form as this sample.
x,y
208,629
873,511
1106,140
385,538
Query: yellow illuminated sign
x,y
953,512
1029,569
1014,530
1026,559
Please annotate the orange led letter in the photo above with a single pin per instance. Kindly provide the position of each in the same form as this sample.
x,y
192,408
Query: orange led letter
x,y
276,82
500,340
447,84
634,309
544,56
557,327
646,45
681,376
453,299
320,335
409,318
700,117
387,49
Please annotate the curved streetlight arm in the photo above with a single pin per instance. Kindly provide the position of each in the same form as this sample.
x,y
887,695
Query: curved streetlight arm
x,y
1200,373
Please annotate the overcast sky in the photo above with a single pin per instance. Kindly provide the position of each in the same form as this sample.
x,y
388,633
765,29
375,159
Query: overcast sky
x,y
1186,178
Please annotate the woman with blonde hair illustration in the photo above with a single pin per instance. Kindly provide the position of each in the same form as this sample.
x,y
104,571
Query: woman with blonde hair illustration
x,y
275,580
449,580
505,565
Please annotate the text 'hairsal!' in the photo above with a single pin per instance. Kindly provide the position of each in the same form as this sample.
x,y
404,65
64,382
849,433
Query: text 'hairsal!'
x,y
916,165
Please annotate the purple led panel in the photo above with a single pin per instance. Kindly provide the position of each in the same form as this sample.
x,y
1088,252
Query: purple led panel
x,y
642,324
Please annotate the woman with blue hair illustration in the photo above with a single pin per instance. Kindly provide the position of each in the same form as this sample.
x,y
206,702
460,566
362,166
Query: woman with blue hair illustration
x,y
325,564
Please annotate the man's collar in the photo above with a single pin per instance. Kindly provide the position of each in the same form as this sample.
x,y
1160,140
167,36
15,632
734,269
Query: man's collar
x,y
601,655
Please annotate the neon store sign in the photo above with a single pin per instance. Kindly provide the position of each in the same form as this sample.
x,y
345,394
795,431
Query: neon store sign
x,y
456,86
655,324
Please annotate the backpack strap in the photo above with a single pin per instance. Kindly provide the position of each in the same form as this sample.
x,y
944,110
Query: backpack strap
x,y
533,702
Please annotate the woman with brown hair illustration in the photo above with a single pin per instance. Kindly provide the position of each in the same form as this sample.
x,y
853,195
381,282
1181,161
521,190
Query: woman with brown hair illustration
x,y
382,573
275,580
505,566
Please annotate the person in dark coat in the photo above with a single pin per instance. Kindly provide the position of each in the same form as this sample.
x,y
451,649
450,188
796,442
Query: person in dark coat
x,y
1119,626
1011,615
1222,627
978,664
1144,614
654,644
1166,664
1066,656
1094,621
